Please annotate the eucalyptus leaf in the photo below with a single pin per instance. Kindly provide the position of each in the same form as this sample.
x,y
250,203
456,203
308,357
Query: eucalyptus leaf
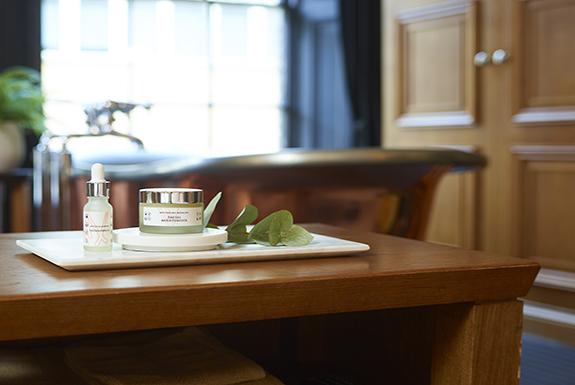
x,y
274,233
274,230
237,230
247,216
297,236
278,229
261,231
239,237
210,208
281,223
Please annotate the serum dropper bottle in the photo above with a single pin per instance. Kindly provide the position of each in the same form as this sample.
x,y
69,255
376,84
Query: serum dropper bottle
x,y
98,213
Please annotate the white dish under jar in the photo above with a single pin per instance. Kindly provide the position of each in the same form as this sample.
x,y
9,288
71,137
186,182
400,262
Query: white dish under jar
x,y
133,239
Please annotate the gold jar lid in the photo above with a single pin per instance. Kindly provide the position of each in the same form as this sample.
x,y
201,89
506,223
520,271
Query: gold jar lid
x,y
171,195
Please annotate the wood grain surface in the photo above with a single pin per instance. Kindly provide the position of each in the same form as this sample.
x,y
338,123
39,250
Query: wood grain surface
x,y
477,344
39,300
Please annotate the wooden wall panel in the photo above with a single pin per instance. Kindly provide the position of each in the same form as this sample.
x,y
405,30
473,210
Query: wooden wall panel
x,y
434,47
544,81
436,81
547,225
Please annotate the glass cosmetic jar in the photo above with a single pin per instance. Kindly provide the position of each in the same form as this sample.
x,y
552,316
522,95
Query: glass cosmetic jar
x,y
171,210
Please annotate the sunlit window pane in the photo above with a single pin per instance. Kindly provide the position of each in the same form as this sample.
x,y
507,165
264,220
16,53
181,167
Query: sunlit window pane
x,y
173,128
94,22
212,71
229,30
142,24
50,30
84,78
166,80
237,130
255,2
247,86
191,30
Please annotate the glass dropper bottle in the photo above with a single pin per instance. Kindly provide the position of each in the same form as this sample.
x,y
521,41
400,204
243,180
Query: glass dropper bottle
x,y
98,212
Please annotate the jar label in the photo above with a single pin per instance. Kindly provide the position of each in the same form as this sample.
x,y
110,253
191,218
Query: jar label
x,y
97,228
172,216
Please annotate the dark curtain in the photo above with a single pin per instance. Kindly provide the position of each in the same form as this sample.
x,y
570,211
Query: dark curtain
x,y
319,108
361,35
20,33
20,46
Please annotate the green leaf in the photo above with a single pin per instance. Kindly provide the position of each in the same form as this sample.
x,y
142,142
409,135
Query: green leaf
x,y
237,230
260,232
210,208
281,223
297,236
274,233
239,237
247,216
272,228
278,229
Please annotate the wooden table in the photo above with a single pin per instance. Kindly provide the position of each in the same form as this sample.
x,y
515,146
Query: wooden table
x,y
407,311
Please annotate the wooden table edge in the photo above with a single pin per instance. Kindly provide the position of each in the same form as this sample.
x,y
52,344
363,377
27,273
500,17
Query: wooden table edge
x,y
186,306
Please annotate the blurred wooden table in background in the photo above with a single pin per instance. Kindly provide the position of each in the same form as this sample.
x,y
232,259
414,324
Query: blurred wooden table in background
x,y
373,189
16,200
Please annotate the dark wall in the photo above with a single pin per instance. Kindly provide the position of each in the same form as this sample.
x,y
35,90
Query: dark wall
x,y
19,33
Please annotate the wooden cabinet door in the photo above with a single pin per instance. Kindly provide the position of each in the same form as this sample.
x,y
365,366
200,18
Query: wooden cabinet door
x,y
432,97
539,83
518,110
542,125
435,78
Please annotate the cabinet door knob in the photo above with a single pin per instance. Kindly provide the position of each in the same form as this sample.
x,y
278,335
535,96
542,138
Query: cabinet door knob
x,y
481,59
499,56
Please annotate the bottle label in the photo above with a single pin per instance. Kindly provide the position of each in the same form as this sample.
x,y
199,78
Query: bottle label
x,y
172,216
97,228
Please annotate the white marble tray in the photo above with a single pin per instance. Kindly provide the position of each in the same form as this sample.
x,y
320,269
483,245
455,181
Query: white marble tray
x,y
69,254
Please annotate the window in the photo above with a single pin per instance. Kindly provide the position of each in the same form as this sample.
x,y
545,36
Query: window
x,y
213,70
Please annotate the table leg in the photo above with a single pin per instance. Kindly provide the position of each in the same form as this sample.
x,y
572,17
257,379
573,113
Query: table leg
x,y
477,344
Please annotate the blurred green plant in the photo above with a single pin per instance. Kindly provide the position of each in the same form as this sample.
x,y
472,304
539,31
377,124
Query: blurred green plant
x,y
21,98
